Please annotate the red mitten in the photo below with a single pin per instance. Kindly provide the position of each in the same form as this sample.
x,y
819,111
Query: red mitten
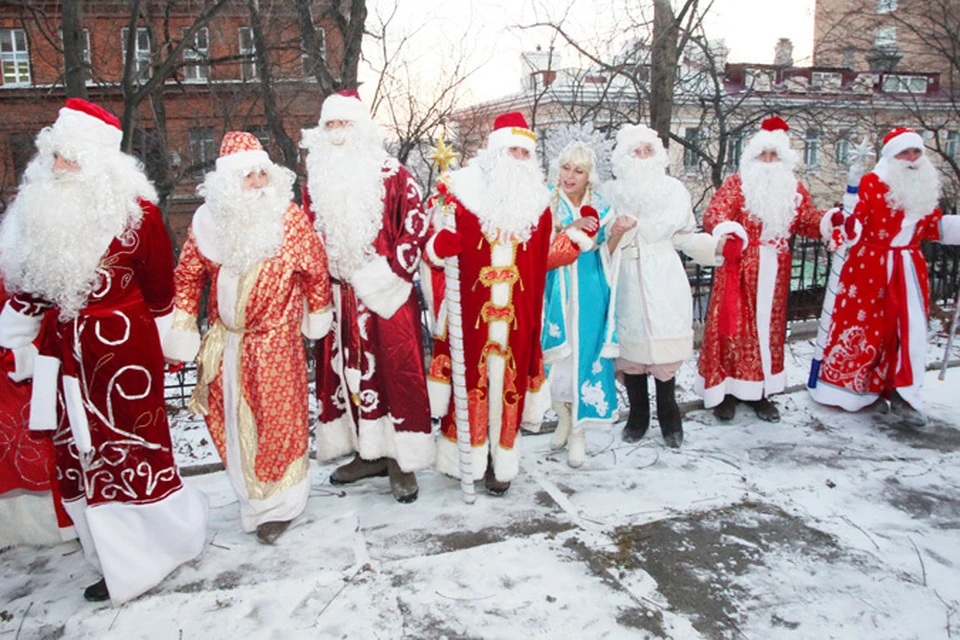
x,y
175,368
446,244
732,248
590,212
836,219
850,227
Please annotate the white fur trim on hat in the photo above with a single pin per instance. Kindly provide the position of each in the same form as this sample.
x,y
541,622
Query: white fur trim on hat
x,y
338,107
243,160
902,142
775,140
77,124
512,137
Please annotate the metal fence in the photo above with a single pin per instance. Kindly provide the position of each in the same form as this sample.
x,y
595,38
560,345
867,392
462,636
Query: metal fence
x,y
808,278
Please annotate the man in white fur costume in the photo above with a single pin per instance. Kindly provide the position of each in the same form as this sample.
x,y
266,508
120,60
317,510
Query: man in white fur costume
x,y
503,239
265,267
877,343
83,236
371,383
743,342
654,305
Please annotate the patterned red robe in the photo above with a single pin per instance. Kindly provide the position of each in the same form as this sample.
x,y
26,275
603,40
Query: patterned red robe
x,y
99,384
743,340
253,381
501,291
371,384
877,340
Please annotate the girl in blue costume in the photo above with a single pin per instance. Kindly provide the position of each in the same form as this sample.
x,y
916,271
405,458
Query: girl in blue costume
x,y
579,329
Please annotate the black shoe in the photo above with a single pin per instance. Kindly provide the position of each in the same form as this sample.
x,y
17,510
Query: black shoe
x,y
765,410
97,592
909,417
726,410
358,469
403,485
639,420
268,532
493,486
668,413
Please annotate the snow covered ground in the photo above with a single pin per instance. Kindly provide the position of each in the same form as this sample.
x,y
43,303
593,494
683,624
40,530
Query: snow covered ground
x,y
826,525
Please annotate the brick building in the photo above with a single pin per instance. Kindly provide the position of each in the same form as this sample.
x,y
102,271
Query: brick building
x,y
213,87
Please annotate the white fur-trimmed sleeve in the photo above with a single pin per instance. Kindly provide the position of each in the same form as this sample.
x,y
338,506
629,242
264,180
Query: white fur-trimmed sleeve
x,y
950,229
380,289
729,226
182,341
826,226
316,325
43,396
18,329
581,239
24,359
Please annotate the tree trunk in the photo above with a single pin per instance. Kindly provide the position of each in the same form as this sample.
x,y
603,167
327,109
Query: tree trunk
x,y
663,68
75,71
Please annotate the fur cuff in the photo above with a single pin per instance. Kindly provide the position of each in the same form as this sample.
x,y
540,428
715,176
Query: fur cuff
x,y
18,329
23,359
43,397
316,325
581,239
164,323
610,350
181,346
950,230
380,289
729,226
430,253
826,226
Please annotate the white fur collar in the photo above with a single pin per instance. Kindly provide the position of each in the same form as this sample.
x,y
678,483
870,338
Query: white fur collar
x,y
205,233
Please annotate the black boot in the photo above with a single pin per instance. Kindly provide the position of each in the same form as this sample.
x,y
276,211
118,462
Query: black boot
x,y
727,409
765,410
668,413
97,592
639,420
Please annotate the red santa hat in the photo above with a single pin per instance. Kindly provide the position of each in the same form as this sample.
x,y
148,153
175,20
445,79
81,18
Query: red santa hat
x,y
511,130
241,151
344,105
901,139
85,122
771,137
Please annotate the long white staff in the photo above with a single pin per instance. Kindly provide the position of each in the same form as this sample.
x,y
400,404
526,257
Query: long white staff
x,y
850,199
442,157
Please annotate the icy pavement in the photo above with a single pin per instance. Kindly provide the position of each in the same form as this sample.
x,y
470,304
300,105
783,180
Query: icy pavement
x,y
826,525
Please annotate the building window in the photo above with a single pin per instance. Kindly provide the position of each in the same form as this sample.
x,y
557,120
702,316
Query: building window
x,y
842,149
904,84
886,38
734,153
691,159
886,6
811,148
141,53
21,148
248,66
14,57
308,68
196,57
952,144
203,150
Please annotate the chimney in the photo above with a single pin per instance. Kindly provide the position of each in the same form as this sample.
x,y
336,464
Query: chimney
x,y
784,53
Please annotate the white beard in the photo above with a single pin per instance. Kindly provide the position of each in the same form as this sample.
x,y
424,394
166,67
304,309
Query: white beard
x,y
770,195
514,196
345,177
55,233
640,189
914,187
250,223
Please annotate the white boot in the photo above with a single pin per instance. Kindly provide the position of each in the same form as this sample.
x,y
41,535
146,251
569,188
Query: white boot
x,y
564,421
576,447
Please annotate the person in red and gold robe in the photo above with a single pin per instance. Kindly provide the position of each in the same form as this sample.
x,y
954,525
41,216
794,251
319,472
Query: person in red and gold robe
x,y
84,237
503,240
877,342
371,383
265,265
741,357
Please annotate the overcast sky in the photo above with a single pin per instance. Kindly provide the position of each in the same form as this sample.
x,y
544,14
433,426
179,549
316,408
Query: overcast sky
x,y
490,33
